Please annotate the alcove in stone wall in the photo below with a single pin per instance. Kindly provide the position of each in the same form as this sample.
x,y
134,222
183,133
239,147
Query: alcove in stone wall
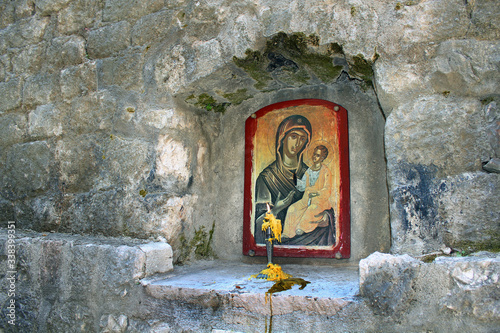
x,y
289,67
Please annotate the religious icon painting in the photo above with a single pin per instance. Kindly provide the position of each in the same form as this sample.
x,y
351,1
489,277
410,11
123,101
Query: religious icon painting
x,y
297,168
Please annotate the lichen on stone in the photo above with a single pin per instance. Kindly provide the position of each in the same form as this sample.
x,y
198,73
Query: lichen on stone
x,y
237,97
198,247
362,68
293,59
207,102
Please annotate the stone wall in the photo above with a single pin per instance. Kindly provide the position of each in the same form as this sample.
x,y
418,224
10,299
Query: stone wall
x,y
126,118
70,283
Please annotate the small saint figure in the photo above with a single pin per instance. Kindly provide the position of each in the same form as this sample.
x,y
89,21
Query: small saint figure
x,y
307,214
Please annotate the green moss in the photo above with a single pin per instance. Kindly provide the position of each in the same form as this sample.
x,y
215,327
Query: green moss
x,y
446,93
296,58
467,247
254,64
143,193
237,97
322,66
353,11
487,100
199,247
207,102
398,6
362,68
335,48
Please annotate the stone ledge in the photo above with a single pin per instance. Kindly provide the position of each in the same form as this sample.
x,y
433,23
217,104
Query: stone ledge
x,y
134,258
216,283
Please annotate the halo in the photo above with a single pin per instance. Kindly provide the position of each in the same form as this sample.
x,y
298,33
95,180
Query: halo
x,y
309,151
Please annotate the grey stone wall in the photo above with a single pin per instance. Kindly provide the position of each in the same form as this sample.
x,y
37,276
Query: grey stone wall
x,y
125,118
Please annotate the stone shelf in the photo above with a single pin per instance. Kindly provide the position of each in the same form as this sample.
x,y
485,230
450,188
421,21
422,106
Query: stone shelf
x,y
216,283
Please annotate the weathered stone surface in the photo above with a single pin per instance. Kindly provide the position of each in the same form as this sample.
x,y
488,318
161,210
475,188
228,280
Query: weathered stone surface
x,y
453,67
482,18
78,80
29,60
474,288
10,95
108,40
44,122
41,89
413,136
421,153
158,257
25,31
78,16
156,24
80,162
12,128
492,115
169,69
74,279
116,10
125,72
470,221
27,169
89,113
466,67
39,213
126,162
64,52
493,165
47,7
388,282
173,164
440,291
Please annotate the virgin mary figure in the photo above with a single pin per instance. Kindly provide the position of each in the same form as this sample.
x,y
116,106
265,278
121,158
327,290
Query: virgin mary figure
x,y
276,184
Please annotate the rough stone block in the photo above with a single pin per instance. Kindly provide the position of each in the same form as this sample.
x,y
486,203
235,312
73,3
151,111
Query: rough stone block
x,y
474,289
387,281
38,213
468,204
78,80
29,60
173,164
6,212
79,159
125,72
158,257
47,7
85,212
155,25
78,16
125,162
90,112
10,95
483,18
493,165
44,122
26,31
116,10
12,128
466,67
28,169
425,131
170,69
65,51
108,40
7,14
41,89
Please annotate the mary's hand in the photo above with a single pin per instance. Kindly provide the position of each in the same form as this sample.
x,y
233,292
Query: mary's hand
x,y
282,204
